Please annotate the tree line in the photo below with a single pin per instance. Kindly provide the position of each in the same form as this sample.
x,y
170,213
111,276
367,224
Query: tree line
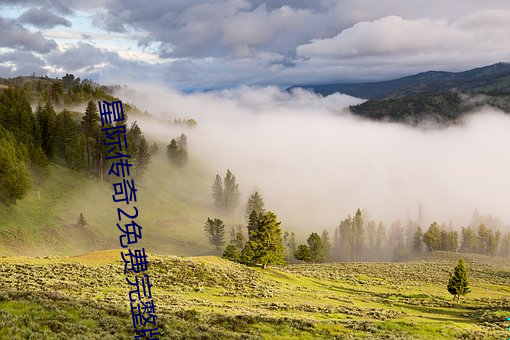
x,y
357,240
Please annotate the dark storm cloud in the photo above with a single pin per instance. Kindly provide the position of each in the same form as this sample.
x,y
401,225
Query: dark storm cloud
x,y
42,18
16,36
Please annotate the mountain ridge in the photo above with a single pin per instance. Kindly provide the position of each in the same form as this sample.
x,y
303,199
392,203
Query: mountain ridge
x,y
491,78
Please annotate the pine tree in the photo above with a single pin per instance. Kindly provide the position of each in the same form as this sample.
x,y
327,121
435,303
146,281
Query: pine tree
x,y
81,220
418,241
177,151
266,241
303,253
230,192
458,283
371,238
316,247
381,240
247,254
357,234
217,193
255,203
470,243
432,237
143,158
231,253
237,237
326,243
253,225
215,230
345,233
289,240
14,175
89,124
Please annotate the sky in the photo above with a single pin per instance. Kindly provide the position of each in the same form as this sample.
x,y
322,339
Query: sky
x,y
193,45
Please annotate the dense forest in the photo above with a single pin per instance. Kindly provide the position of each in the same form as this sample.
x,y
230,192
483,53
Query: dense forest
x,y
31,139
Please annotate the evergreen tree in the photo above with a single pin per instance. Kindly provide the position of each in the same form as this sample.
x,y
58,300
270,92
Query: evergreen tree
x,y
381,240
458,283
90,125
316,247
231,192
217,193
247,254
326,243
418,241
371,238
345,231
81,220
357,234
68,140
253,224
266,241
154,149
303,253
469,241
432,237
14,175
231,253
255,203
289,239
143,159
215,231
237,237
177,151
505,245
46,118
336,245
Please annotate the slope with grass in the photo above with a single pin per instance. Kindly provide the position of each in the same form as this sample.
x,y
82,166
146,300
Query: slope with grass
x,y
172,204
211,298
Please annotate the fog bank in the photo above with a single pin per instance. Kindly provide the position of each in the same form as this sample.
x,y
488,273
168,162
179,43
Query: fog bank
x,y
315,163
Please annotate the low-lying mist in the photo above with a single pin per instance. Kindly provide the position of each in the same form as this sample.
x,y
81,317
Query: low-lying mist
x,y
314,163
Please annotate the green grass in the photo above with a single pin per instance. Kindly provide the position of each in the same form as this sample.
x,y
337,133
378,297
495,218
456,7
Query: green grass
x,y
173,205
211,298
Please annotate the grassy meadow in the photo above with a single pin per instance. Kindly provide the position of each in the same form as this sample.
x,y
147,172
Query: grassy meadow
x,y
86,297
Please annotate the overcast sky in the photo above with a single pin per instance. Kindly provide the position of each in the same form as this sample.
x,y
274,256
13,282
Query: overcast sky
x,y
198,44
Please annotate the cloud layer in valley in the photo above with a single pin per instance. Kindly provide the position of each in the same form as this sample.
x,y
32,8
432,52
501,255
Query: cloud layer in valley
x,y
315,163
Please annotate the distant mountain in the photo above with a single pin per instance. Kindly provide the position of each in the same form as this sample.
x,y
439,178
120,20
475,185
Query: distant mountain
x,y
493,79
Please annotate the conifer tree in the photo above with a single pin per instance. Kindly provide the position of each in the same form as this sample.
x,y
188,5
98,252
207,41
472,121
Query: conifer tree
x,y
303,253
316,247
357,234
231,253
14,175
231,192
81,220
255,203
215,231
326,243
432,237
143,157
89,124
418,241
458,284
266,241
217,192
